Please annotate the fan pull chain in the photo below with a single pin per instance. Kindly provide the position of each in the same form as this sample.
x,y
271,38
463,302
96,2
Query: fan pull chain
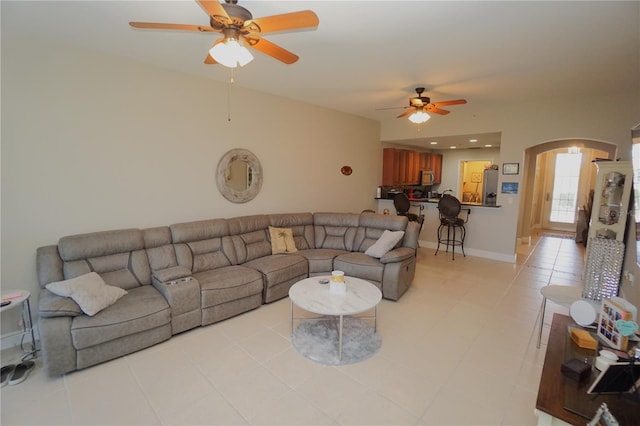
x,y
229,86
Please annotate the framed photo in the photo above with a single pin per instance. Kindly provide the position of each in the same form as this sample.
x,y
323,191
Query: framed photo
x,y
610,313
476,177
510,168
509,187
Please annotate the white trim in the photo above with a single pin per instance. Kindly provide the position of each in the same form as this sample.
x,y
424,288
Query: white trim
x,y
502,257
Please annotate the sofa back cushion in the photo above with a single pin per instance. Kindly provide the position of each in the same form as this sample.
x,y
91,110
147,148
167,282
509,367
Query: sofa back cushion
x,y
373,225
301,224
203,245
117,256
249,235
335,230
159,246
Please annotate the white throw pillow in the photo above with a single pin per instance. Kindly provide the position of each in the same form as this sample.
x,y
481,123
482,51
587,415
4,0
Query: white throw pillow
x,y
386,242
89,291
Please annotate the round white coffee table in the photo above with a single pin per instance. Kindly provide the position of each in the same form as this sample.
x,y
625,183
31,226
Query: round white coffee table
x,y
311,296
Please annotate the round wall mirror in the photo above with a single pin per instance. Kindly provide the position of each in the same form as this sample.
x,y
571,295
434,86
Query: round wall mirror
x,y
239,176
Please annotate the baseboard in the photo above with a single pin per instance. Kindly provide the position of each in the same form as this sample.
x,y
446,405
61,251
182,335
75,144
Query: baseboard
x,y
509,258
12,339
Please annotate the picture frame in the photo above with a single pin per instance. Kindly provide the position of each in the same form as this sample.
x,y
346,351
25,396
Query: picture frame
x,y
510,168
509,187
610,313
476,177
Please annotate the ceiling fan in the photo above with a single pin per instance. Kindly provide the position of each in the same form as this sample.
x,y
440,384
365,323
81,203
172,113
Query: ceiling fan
x,y
420,105
237,24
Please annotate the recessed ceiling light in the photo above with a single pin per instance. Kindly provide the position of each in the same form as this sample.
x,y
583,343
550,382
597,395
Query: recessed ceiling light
x,y
452,147
473,140
434,143
488,146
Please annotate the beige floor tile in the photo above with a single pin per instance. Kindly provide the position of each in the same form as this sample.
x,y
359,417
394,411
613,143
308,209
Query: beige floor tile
x,y
265,345
210,409
113,396
372,409
331,391
291,409
293,368
252,391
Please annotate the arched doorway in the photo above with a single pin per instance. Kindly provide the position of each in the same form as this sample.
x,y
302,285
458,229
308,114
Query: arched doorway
x,y
533,197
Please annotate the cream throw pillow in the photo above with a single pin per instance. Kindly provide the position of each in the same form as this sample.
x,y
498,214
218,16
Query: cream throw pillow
x,y
89,291
386,242
282,240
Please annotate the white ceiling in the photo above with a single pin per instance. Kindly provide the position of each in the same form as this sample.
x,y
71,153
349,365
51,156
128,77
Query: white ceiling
x,y
368,55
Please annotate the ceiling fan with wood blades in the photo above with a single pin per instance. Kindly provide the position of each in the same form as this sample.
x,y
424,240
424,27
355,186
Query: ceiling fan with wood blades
x,y
236,23
421,105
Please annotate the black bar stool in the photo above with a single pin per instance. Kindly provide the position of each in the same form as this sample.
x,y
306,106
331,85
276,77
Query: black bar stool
x,y
449,207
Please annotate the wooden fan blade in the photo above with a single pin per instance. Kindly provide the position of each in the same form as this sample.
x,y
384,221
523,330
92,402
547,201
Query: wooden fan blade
x,y
407,112
436,110
214,8
283,22
180,27
445,103
271,49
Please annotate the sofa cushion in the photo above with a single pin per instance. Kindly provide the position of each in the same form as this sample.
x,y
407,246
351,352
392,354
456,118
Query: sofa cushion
x,y
142,309
360,265
221,285
385,243
282,240
301,225
335,230
89,291
280,272
118,256
320,260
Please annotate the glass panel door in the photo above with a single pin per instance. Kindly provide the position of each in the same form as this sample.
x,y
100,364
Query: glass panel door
x,y
564,195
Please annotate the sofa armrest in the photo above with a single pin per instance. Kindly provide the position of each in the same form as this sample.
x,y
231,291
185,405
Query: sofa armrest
x,y
398,255
175,273
183,295
51,306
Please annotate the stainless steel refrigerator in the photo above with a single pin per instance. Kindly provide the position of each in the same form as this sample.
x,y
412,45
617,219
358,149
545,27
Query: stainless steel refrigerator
x,y
490,187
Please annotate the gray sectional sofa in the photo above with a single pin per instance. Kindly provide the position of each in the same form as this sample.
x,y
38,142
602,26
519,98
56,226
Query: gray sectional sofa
x,y
197,273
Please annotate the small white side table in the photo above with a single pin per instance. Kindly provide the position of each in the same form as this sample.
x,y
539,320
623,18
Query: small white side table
x,y
21,298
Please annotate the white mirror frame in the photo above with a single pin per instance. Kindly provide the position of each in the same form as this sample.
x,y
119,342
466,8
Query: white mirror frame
x,y
223,171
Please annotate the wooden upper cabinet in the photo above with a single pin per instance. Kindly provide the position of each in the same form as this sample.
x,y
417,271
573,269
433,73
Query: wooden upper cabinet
x,y
436,166
403,167
390,166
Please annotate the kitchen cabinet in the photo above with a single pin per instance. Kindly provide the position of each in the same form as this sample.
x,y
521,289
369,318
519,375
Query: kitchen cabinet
x,y
403,166
436,167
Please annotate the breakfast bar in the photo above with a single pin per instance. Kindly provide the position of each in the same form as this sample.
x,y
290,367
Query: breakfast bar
x,y
480,239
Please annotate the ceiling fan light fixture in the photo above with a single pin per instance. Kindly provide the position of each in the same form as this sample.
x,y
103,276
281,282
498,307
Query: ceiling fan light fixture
x,y
419,117
231,53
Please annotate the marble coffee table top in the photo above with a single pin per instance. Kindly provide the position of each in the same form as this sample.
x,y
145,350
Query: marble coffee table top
x,y
312,296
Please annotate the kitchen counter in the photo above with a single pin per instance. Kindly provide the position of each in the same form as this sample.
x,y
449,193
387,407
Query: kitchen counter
x,y
435,201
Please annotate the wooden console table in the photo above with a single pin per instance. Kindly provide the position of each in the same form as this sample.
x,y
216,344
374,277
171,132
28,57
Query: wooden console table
x,y
551,393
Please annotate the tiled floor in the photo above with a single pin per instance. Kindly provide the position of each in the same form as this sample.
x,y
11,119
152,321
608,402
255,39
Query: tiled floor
x,y
458,348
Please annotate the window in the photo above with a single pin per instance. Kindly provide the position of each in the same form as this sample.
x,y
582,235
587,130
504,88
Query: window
x,y
565,187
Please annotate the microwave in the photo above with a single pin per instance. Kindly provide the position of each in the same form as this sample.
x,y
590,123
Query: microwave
x,y
426,178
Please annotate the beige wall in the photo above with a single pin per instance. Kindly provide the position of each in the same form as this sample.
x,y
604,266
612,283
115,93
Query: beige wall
x,y
91,143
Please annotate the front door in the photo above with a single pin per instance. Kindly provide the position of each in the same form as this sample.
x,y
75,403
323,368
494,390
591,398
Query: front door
x,y
561,191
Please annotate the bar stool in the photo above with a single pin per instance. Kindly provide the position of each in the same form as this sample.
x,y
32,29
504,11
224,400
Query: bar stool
x,y
449,207
402,204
